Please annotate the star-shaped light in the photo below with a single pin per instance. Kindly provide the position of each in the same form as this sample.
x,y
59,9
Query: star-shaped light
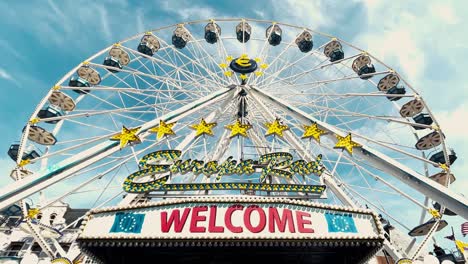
x,y
444,166
163,129
203,128
434,213
313,131
127,136
275,128
243,76
33,212
24,162
346,143
238,129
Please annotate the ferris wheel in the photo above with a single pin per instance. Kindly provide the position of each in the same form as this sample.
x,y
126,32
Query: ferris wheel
x,y
247,94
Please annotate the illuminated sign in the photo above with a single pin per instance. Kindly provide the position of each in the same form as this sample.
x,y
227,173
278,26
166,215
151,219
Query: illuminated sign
x,y
230,219
279,164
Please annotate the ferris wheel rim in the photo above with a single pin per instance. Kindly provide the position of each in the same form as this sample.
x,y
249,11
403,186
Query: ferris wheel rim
x,y
229,19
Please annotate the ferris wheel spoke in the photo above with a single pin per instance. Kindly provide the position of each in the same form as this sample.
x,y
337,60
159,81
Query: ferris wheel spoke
x,y
349,77
135,72
377,207
285,49
198,63
262,56
209,68
360,116
159,61
288,66
214,64
360,170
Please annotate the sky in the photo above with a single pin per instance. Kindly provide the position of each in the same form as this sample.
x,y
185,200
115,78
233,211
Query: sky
x,y
425,41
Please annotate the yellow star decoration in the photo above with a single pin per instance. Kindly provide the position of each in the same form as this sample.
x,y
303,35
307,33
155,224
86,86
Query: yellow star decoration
x,y
238,129
223,65
32,213
228,73
24,162
163,129
313,131
34,121
434,213
444,166
263,65
275,128
346,143
127,136
229,58
203,128
243,76
258,73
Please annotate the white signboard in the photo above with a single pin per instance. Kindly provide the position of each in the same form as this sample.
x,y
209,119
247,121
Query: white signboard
x,y
228,220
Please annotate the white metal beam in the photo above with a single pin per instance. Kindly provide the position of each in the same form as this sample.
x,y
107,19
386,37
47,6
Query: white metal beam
x,y
44,178
435,191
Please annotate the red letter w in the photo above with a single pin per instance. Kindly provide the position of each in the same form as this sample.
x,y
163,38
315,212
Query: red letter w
x,y
175,219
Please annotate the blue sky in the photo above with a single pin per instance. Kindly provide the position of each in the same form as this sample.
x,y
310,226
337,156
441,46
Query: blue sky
x,y
426,42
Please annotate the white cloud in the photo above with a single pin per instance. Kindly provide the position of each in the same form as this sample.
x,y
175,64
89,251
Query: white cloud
x,y
444,12
5,75
451,122
188,11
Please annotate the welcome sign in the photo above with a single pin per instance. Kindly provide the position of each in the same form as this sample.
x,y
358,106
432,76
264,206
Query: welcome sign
x,y
226,218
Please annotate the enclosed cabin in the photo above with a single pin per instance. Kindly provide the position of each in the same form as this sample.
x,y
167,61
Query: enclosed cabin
x,y
59,103
87,77
180,37
10,217
447,211
79,83
50,111
274,34
442,178
304,41
431,140
29,152
448,256
389,85
439,157
363,67
149,44
40,135
117,59
334,51
243,31
425,228
422,119
212,32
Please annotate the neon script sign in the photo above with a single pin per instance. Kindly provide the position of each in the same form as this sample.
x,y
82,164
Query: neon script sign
x,y
279,164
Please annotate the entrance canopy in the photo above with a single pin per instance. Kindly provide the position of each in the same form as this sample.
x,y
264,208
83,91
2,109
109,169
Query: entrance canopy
x,y
219,230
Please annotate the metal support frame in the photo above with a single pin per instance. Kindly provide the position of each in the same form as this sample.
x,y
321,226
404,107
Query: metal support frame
x,y
329,180
436,192
44,178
